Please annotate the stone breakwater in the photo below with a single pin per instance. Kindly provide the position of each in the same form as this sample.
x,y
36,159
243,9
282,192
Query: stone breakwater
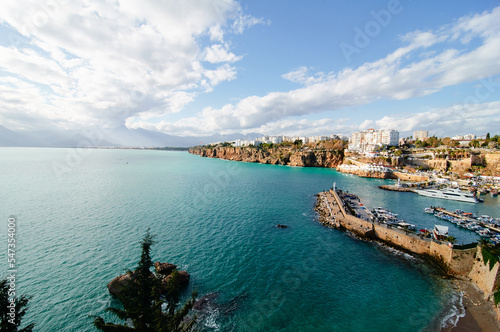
x,y
274,156
463,263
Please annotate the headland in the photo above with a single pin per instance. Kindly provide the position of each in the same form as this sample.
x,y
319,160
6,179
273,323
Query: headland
x,y
274,155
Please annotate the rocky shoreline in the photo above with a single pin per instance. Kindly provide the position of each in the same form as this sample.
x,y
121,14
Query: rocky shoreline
x,y
395,188
274,156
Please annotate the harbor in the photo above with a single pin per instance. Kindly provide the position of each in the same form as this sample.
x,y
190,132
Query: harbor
x,y
484,225
465,264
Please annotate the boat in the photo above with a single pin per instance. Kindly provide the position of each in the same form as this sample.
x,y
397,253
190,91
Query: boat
x,y
484,232
429,210
449,193
494,192
440,233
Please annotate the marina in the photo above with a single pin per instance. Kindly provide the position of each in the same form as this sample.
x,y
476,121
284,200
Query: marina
x,y
465,264
483,225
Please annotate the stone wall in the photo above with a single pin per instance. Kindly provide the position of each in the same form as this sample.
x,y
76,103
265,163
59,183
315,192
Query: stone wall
x,y
487,280
492,158
401,239
462,261
462,165
493,163
396,237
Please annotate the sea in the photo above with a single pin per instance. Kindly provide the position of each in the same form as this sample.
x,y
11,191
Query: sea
x,y
80,214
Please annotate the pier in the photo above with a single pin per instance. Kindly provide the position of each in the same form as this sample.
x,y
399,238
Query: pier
x,y
345,211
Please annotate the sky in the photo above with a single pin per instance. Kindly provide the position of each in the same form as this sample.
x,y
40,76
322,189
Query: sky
x,y
280,67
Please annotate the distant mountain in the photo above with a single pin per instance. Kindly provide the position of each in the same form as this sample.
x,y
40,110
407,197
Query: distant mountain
x,y
119,136
43,138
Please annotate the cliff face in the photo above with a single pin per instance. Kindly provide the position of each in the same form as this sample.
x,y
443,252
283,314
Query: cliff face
x,y
275,156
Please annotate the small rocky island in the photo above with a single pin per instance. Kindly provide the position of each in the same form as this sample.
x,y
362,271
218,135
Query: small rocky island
x,y
165,272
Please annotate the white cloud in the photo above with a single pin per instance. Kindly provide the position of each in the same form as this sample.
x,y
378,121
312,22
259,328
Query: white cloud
x,y
475,118
110,60
303,127
222,73
301,75
403,74
219,53
119,61
245,21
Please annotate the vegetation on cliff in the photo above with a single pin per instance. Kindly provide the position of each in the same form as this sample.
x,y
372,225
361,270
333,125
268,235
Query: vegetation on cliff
x,y
321,154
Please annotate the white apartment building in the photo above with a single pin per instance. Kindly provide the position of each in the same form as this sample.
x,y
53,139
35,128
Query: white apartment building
x,y
468,137
420,135
371,139
245,142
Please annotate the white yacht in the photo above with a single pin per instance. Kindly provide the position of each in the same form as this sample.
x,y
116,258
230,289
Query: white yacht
x,y
449,193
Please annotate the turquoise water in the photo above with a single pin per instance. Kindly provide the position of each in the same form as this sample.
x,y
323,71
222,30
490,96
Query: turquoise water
x,y
81,214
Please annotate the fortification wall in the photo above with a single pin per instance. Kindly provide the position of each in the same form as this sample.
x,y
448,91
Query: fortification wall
x,y
492,158
460,165
437,164
487,280
399,238
396,237
462,261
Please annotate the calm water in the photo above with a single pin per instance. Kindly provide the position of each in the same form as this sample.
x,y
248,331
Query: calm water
x,y
81,214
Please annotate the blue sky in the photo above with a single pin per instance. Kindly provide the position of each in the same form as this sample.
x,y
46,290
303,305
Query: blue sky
x,y
194,68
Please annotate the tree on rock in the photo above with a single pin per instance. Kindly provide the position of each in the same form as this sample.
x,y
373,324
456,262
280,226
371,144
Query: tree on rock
x,y
143,296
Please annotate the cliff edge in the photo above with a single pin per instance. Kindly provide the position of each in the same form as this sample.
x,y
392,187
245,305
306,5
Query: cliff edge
x,y
275,156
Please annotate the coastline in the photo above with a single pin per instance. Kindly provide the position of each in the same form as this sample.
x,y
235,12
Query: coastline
x,y
479,312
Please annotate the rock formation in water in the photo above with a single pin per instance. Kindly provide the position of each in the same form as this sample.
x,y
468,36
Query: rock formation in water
x,y
164,271
275,156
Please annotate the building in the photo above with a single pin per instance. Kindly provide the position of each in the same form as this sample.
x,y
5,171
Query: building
x,y
372,140
420,135
316,139
468,137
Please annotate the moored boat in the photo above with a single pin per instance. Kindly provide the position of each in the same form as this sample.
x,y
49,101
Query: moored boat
x,y
449,193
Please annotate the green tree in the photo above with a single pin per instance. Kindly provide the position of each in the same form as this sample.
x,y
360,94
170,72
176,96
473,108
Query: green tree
x,y
451,239
419,144
10,321
142,304
474,143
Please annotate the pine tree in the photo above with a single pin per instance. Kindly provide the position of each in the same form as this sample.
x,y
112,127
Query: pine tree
x,y
11,320
143,301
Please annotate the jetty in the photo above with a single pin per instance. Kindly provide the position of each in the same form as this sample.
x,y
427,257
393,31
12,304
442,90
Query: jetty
x,y
341,210
395,188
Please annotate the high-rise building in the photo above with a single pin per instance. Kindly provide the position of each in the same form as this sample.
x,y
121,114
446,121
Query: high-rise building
x,y
420,135
370,139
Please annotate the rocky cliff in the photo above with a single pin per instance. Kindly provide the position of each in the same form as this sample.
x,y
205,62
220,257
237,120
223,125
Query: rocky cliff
x,y
275,156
